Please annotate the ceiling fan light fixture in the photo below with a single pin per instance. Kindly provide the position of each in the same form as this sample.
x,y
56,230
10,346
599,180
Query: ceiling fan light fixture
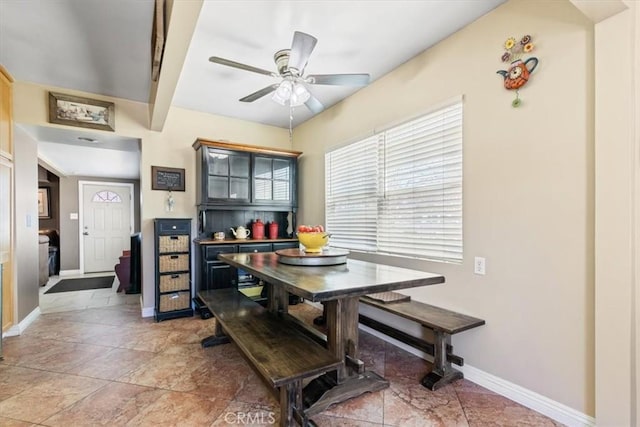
x,y
299,96
283,92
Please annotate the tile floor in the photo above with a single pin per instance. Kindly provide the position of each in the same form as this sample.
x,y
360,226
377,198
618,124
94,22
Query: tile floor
x,y
66,301
90,359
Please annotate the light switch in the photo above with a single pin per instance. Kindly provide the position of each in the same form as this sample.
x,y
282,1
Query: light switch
x,y
73,215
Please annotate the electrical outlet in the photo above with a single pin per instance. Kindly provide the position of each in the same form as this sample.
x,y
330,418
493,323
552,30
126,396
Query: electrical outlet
x,y
479,265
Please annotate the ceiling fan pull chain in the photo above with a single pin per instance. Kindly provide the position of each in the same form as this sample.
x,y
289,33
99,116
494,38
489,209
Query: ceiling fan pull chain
x,y
291,125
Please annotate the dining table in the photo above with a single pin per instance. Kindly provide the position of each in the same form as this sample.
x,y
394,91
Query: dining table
x,y
338,287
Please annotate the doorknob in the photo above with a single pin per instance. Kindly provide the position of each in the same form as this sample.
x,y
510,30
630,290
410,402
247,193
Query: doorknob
x,y
86,233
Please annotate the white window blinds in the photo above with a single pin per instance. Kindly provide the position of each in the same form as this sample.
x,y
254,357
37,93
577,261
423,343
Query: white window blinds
x,y
352,194
399,192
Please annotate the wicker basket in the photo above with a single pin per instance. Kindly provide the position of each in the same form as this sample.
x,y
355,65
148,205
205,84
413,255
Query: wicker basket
x,y
174,282
173,244
173,263
175,301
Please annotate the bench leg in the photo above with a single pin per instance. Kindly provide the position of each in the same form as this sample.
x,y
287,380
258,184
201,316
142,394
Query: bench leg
x,y
217,338
291,404
443,373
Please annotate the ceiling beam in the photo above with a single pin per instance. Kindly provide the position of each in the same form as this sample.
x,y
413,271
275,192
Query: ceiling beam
x,y
180,23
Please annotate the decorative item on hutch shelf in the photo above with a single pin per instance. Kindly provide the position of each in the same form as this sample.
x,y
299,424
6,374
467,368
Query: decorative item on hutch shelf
x,y
257,229
519,71
240,232
273,230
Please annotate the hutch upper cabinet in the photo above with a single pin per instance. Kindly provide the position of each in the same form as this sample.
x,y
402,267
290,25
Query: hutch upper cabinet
x,y
237,176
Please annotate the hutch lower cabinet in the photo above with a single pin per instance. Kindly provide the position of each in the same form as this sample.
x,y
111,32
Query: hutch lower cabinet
x,y
212,273
172,268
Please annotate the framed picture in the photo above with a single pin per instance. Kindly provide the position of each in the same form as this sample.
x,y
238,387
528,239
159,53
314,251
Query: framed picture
x,y
171,179
44,204
82,112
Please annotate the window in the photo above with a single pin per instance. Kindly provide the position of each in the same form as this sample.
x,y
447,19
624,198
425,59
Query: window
x,y
106,196
399,192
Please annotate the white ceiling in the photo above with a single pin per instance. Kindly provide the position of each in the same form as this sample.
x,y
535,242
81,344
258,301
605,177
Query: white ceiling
x,y
104,47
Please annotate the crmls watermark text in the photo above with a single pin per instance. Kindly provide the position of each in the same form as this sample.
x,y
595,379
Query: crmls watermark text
x,y
243,418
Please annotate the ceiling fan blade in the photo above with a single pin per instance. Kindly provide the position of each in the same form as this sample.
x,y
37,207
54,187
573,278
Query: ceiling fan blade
x,y
339,79
259,93
314,105
301,49
234,64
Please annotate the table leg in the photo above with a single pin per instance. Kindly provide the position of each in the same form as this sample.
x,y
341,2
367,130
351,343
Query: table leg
x,y
277,299
342,331
342,341
322,319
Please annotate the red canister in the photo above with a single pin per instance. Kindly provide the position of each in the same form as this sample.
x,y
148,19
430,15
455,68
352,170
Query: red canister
x,y
273,230
257,229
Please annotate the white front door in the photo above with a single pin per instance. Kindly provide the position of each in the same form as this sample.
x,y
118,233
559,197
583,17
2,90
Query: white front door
x,y
106,224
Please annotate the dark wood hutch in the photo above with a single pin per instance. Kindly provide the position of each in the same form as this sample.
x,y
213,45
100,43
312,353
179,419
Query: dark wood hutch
x,y
237,184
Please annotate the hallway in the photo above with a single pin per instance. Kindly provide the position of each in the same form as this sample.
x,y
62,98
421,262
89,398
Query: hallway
x,y
80,300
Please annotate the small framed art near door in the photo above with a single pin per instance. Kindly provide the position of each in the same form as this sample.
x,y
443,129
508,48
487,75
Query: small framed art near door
x,y
44,203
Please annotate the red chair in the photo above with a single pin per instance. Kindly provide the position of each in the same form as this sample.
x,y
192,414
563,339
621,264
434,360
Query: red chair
x,y
123,271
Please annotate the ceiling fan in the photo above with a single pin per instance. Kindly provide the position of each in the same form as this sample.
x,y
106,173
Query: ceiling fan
x,y
290,63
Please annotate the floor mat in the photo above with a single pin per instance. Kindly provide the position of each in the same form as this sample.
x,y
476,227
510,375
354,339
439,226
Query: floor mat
x,y
82,284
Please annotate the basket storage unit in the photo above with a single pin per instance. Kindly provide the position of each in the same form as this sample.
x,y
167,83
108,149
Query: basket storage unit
x,y
173,268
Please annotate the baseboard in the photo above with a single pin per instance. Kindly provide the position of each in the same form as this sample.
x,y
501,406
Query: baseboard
x,y
532,400
13,331
18,329
148,311
70,272
528,398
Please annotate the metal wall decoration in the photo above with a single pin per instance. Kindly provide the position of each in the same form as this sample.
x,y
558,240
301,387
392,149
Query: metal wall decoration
x,y
519,71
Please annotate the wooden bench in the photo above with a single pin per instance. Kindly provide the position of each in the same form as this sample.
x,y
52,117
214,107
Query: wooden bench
x,y
273,344
443,323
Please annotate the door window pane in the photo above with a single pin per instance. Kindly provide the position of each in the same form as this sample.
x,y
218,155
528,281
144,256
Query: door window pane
x,y
281,169
239,188
218,187
263,189
262,168
239,166
218,163
280,190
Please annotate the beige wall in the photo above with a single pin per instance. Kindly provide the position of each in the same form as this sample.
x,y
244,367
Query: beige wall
x,y
617,205
26,223
528,191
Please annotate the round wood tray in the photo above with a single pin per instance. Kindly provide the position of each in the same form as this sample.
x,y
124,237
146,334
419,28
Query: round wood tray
x,y
300,257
